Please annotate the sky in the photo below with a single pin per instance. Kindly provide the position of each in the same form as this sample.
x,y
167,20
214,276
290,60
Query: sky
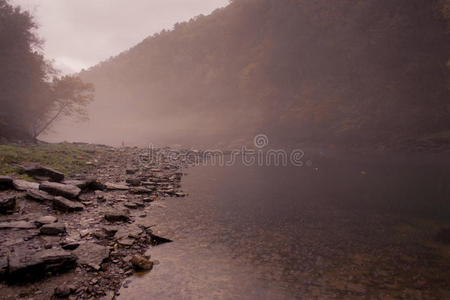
x,y
80,33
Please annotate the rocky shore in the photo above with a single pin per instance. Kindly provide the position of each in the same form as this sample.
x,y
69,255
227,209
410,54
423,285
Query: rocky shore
x,y
80,237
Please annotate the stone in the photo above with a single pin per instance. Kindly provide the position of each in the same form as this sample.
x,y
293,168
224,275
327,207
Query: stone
x,y
131,171
65,205
53,229
59,189
40,196
3,266
25,264
126,242
81,184
179,194
116,186
63,291
17,225
6,183
7,203
443,236
141,190
46,220
36,170
110,231
69,245
134,181
140,263
117,216
91,254
23,185
93,184
130,205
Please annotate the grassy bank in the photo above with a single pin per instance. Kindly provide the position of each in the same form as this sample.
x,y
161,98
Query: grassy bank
x,y
65,157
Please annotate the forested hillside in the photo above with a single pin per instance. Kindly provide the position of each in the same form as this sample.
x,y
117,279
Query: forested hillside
x,y
349,72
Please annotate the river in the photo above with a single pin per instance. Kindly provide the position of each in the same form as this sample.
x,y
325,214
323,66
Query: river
x,y
333,228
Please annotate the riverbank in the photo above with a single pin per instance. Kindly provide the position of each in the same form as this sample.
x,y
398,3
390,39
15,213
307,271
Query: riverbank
x,y
82,237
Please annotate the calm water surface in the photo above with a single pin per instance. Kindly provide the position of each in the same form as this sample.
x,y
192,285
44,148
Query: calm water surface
x,y
281,233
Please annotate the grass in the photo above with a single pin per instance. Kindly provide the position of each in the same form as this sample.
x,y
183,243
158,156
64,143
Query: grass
x,y
65,157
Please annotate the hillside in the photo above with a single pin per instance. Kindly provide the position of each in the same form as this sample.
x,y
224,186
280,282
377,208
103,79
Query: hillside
x,y
350,72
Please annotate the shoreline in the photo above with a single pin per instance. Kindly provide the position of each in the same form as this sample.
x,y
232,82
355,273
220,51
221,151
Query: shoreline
x,y
89,251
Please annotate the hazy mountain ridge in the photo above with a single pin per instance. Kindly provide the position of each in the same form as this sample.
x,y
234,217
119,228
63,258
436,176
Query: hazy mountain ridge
x,y
362,72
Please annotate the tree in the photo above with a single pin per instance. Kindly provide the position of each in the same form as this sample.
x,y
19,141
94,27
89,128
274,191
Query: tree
x,y
69,97
32,97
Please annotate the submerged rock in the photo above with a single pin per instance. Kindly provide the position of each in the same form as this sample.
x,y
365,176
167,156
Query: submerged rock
x,y
59,189
41,172
23,185
65,205
7,203
140,262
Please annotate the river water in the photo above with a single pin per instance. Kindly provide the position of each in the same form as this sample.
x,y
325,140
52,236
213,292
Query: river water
x,y
337,228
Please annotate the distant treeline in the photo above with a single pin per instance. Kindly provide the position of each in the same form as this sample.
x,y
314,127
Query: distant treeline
x,y
349,71
32,96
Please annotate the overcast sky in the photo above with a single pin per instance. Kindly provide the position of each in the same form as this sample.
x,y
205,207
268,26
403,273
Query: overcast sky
x,y
81,33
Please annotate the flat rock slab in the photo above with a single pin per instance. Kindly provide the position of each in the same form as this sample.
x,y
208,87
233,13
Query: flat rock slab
x,y
66,205
59,189
6,183
141,190
117,216
17,225
23,185
7,203
91,254
38,171
46,220
53,229
25,264
39,195
116,186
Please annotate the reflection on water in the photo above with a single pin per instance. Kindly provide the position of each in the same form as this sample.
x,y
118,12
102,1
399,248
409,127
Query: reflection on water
x,y
335,229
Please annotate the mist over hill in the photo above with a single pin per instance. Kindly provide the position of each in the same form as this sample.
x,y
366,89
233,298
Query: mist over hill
x,y
348,72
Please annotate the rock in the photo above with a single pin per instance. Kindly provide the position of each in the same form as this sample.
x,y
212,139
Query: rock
x,y
117,216
110,231
63,291
126,242
17,225
46,220
59,189
7,203
116,186
134,181
91,254
36,170
109,295
25,265
140,190
6,183
180,194
140,262
443,236
3,266
38,195
53,229
23,185
69,245
93,184
131,171
65,205
130,205
81,184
